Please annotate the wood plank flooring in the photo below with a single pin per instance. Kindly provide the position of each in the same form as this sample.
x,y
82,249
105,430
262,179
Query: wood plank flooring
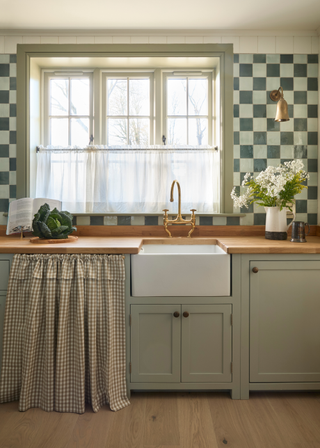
x,y
173,420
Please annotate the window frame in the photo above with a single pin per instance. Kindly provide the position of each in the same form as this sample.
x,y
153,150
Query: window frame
x,y
47,75
209,74
139,74
26,52
158,89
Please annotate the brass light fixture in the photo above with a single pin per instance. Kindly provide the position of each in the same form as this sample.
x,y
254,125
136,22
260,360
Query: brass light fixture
x,y
282,106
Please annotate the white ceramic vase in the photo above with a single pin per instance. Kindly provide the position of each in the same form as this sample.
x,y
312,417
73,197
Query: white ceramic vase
x,y
276,223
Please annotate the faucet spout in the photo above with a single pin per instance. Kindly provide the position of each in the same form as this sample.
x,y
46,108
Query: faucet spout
x,y
179,196
178,219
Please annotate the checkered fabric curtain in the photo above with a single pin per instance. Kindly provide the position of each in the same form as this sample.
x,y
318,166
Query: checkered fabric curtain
x,y
64,333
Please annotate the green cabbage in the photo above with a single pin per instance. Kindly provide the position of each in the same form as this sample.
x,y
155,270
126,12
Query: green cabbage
x,y
52,224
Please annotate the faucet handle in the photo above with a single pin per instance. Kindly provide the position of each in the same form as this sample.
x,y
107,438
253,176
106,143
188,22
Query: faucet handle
x,y
193,216
165,210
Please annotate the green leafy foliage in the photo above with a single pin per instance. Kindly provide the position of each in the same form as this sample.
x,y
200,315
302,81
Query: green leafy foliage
x,y
65,219
273,187
58,230
52,224
44,229
43,212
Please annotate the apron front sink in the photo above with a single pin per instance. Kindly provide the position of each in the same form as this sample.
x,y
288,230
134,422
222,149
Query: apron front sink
x,y
180,270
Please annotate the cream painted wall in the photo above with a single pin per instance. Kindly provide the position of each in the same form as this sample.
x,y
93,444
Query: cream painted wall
x,y
243,41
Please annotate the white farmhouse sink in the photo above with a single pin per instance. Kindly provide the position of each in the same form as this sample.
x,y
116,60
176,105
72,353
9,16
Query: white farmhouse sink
x,y
180,270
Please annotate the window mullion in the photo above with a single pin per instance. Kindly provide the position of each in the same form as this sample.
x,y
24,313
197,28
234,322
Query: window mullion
x,y
187,110
91,111
128,93
69,111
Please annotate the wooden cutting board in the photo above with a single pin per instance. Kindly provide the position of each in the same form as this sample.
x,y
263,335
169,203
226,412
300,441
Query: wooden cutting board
x,y
37,240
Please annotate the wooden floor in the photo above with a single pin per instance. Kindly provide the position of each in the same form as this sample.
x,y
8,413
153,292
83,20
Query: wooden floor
x,y
172,420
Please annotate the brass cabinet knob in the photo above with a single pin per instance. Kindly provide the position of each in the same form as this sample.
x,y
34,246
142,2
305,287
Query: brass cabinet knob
x,y
186,314
255,270
176,314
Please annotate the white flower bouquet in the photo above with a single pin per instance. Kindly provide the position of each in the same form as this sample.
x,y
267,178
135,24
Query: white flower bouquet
x,y
273,187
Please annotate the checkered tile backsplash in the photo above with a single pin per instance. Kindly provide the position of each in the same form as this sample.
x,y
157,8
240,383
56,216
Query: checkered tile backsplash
x,y
258,140
7,132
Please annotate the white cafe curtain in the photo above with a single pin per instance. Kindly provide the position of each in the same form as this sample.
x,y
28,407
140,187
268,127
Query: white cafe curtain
x,y
98,179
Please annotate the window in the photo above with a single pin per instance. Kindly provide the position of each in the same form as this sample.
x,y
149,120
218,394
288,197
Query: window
x,y
205,70
129,105
119,181
128,108
188,109
68,118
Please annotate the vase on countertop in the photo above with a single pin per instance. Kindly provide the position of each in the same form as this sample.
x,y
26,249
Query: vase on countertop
x,y
276,223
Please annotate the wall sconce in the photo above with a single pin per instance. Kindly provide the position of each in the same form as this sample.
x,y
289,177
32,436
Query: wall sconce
x,y
282,106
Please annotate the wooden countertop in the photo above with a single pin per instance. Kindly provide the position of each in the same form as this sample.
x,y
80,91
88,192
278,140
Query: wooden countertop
x,y
84,245
259,245
131,245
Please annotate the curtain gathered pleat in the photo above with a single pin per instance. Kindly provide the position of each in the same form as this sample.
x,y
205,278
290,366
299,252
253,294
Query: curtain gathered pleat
x,y
64,333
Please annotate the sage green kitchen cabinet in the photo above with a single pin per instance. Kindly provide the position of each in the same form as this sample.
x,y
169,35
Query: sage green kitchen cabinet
x,y
206,343
184,342
2,307
280,322
284,321
155,339
202,333
5,264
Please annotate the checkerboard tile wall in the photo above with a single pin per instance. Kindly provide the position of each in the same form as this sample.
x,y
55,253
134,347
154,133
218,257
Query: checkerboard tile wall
x,y
7,132
258,140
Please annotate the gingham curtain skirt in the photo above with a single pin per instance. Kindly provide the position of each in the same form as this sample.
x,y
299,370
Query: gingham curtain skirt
x,y
64,333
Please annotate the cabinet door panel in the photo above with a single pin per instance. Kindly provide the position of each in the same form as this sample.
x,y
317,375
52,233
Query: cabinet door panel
x,y
206,343
155,343
2,307
5,262
284,321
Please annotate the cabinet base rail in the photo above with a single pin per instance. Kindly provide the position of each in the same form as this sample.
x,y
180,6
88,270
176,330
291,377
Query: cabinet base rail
x,y
284,386
186,387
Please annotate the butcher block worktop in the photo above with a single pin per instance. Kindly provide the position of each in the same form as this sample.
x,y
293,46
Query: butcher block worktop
x,y
127,240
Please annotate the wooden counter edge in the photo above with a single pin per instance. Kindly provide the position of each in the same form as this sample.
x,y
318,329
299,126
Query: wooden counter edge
x,y
132,245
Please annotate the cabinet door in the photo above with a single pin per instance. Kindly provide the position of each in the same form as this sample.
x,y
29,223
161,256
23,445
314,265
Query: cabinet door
x,y
284,321
5,264
206,344
155,343
2,306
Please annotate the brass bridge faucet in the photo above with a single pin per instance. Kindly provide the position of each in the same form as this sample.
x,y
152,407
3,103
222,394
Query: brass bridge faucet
x,y
179,219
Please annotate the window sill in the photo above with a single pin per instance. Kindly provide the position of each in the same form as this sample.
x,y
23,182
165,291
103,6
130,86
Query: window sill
x,y
216,215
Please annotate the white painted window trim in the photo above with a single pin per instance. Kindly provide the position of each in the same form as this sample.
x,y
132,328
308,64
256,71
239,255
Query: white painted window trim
x,y
209,74
98,103
103,95
47,75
